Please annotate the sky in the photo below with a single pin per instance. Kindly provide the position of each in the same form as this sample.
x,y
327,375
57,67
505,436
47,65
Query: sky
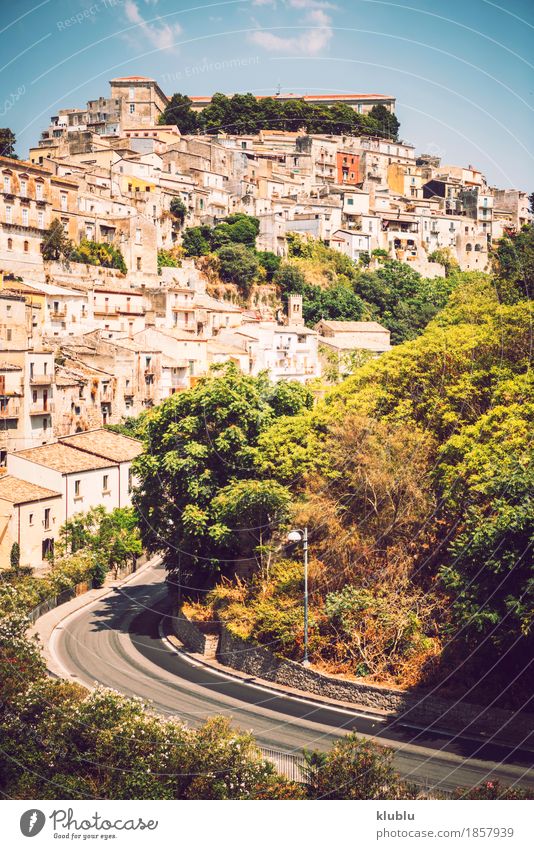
x,y
462,71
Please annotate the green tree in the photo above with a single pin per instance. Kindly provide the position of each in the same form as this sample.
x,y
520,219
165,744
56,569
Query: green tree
x,y
387,121
14,556
270,262
56,244
178,210
199,442
7,143
354,768
179,112
196,241
239,265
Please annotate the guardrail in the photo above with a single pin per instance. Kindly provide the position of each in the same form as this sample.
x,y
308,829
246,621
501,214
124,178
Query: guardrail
x,y
286,763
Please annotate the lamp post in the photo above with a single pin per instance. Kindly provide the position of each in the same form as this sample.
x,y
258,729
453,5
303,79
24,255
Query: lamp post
x,y
297,536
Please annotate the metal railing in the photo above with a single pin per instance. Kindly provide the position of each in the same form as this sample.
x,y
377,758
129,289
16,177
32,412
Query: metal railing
x,y
286,763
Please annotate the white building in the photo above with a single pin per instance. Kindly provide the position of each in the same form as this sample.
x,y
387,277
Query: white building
x,y
30,515
351,243
87,469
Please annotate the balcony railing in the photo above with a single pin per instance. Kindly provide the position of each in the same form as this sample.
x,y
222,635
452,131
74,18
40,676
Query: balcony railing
x,y
39,408
59,313
40,379
10,411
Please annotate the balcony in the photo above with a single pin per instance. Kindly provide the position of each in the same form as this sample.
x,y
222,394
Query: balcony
x,y
9,411
41,379
39,408
61,312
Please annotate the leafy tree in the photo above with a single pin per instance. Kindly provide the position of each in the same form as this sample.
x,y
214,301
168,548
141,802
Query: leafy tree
x,y
238,264
290,279
444,257
178,210
270,262
196,241
354,768
98,253
14,556
7,143
514,266
20,659
56,244
166,259
179,113
387,121
199,442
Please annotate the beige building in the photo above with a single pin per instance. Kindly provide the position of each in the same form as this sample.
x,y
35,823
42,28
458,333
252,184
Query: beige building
x,y
30,515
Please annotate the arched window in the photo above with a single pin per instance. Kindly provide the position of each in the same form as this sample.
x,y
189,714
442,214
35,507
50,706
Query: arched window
x,y
478,247
26,247
469,247
10,244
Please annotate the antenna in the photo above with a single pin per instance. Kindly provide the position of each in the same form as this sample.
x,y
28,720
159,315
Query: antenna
x,y
278,89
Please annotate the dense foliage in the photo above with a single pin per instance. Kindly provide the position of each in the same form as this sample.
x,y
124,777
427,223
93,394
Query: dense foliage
x,y
244,114
333,287
98,253
414,477
59,742
200,471
7,143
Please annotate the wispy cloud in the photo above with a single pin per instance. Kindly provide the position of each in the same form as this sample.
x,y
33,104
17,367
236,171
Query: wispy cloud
x,y
309,42
159,34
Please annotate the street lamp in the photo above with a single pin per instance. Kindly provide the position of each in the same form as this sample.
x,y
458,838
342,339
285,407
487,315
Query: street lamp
x,y
294,537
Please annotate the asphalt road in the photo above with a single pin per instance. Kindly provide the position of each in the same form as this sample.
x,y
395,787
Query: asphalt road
x,y
116,642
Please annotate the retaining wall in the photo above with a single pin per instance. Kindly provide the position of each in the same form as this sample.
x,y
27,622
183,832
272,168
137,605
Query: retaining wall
x,y
417,707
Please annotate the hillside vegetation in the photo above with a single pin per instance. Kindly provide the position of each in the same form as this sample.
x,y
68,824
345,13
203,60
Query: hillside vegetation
x,y
415,479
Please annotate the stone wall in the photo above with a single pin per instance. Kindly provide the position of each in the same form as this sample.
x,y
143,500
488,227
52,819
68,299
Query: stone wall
x,y
190,635
419,708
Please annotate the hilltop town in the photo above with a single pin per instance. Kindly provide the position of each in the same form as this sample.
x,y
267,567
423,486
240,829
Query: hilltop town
x,y
107,308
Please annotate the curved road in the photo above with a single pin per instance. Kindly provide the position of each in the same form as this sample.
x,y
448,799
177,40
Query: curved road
x,y
116,642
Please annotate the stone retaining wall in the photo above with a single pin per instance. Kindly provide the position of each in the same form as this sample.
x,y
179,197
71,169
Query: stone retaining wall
x,y
189,633
416,707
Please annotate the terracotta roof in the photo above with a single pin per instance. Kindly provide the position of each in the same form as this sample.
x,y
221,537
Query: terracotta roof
x,y
63,458
132,79
353,326
20,492
9,367
207,98
106,444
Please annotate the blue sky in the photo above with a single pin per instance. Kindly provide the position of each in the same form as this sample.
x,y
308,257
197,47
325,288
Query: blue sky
x,y
462,71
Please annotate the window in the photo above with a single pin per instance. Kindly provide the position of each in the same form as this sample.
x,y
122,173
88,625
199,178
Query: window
x,y
64,199
10,244
26,247
350,201
138,263
77,486
30,519
40,220
24,217
9,214
46,520
138,235
23,188
45,423
132,93
9,334
132,108
105,483
7,183
130,480
34,396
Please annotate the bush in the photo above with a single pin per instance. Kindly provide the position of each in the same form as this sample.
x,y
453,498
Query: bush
x,y
238,264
